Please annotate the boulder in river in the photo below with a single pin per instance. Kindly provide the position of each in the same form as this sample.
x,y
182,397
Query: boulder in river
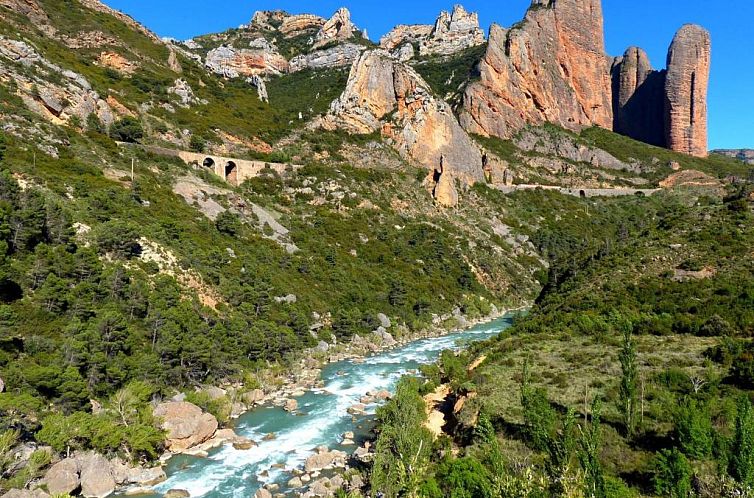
x,y
325,460
186,424
291,405
177,493
253,397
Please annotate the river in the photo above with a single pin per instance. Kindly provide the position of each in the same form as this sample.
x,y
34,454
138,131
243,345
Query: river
x,y
322,420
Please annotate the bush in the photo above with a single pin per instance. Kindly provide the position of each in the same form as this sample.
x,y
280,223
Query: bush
x,y
672,475
228,223
197,143
694,429
127,129
119,238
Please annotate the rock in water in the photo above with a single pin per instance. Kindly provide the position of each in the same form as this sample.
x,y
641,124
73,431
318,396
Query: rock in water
x,y
686,91
185,424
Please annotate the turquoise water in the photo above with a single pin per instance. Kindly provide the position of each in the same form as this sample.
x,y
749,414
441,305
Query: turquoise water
x,y
322,420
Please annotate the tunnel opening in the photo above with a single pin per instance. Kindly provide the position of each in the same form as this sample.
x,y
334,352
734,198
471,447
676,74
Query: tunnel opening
x,y
582,194
208,162
231,173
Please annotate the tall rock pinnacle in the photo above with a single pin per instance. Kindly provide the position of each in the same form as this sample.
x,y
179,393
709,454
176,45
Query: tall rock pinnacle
x,y
686,91
551,68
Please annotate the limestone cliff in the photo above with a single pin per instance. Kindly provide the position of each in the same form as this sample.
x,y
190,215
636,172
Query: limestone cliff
x,y
385,95
550,68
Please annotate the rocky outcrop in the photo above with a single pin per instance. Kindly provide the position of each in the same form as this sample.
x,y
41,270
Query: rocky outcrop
x,y
63,477
114,60
185,423
686,91
338,56
58,98
550,68
665,108
385,95
33,11
257,82
744,155
338,28
290,26
405,34
453,32
185,93
637,98
231,62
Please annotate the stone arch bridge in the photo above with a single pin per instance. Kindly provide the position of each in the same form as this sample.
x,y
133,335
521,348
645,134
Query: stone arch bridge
x,y
232,170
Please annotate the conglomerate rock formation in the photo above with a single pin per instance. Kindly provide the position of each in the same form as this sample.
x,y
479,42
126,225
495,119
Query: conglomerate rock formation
x,y
550,68
686,91
553,68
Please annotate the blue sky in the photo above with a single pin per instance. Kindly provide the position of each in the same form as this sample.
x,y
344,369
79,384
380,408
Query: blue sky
x,y
649,24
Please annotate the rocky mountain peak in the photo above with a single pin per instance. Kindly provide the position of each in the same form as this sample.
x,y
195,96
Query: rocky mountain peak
x,y
553,68
338,28
452,32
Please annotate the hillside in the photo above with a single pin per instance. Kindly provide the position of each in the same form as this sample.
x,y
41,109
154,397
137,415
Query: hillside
x,y
659,313
331,198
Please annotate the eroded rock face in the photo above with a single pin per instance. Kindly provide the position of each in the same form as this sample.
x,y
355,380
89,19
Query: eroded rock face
x,y
185,423
686,91
339,27
233,63
56,99
638,98
338,56
551,68
453,32
421,127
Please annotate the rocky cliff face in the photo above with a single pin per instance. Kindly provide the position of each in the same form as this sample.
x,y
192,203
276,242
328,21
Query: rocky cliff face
x,y
453,32
686,91
551,68
638,98
385,95
233,63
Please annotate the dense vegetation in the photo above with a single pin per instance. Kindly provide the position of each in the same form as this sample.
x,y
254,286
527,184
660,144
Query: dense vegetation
x,y
631,376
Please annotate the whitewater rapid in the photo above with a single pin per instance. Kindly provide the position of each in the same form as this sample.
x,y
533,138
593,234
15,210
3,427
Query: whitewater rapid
x,y
323,419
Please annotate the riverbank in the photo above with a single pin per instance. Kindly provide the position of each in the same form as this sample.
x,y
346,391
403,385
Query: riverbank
x,y
322,427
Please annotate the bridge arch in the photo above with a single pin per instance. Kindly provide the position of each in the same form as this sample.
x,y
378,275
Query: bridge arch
x,y
208,163
231,173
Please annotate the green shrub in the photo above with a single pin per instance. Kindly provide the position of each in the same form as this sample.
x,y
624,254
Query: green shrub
x,y
127,129
694,428
672,474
